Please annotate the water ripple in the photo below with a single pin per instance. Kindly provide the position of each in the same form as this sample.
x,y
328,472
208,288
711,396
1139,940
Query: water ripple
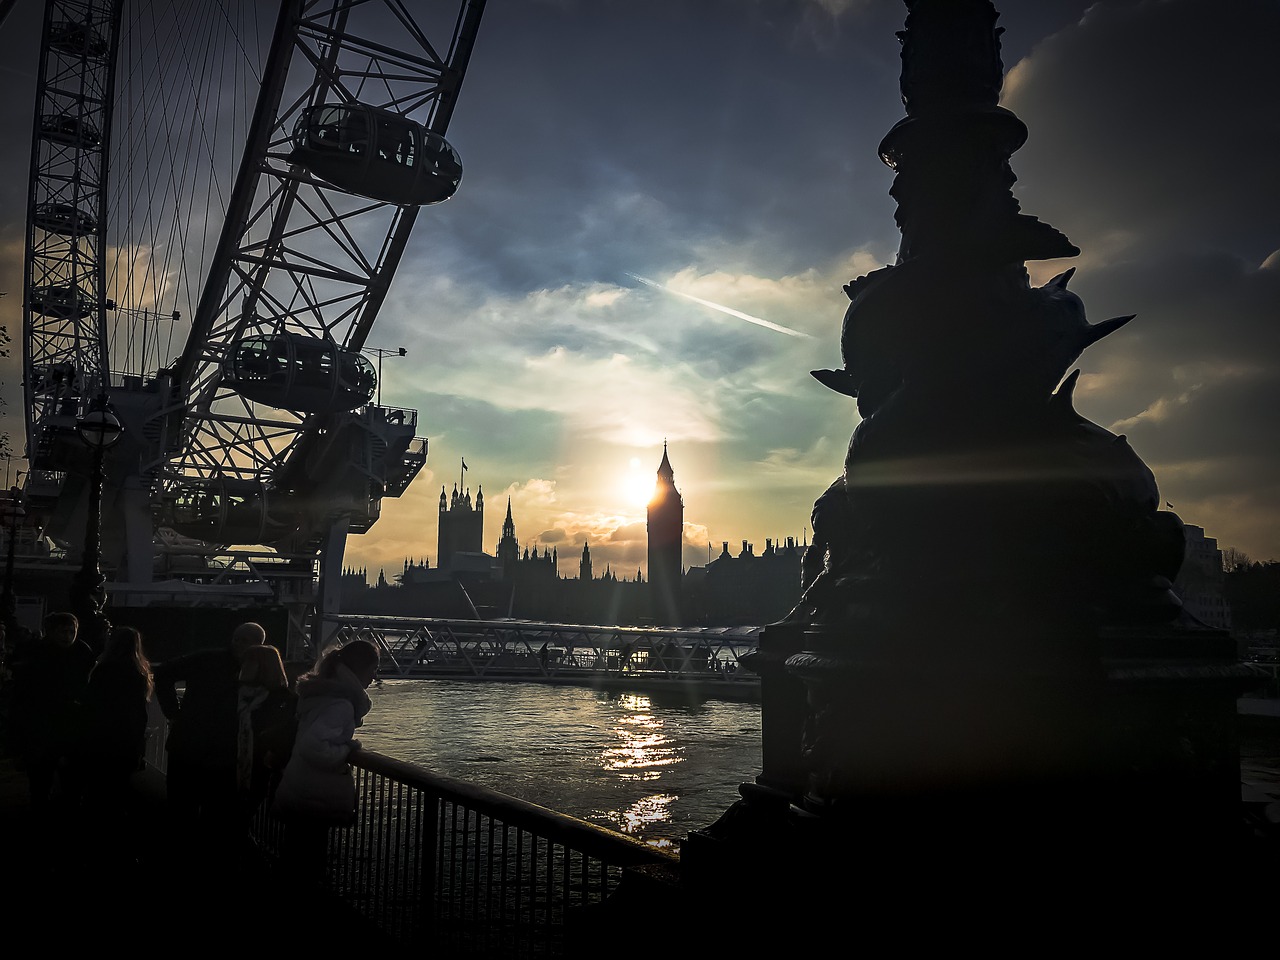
x,y
606,758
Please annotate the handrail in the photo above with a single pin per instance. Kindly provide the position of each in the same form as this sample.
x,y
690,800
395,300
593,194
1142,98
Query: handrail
x,y
468,869
588,838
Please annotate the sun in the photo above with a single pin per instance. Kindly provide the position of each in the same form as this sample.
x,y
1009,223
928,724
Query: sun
x,y
637,484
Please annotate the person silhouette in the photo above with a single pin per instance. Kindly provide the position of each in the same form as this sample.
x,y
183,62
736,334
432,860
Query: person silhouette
x,y
267,722
112,743
201,746
317,790
50,675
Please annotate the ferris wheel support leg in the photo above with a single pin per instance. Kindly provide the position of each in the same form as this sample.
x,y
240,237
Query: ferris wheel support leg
x,y
139,556
329,589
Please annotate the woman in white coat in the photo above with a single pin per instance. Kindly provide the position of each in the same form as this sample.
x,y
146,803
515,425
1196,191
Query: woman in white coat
x,y
317,790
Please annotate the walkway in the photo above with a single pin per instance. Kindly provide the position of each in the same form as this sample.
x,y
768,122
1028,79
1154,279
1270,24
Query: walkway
x,y
58,891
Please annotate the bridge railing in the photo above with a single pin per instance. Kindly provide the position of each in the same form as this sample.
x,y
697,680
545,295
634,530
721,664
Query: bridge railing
x,y
435,860
443,647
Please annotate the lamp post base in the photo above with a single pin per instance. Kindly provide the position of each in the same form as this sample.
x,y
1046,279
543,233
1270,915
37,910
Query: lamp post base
x,y
1133,768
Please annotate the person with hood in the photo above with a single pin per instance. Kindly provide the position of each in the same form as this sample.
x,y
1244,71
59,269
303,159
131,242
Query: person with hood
x,y
317,790
268,718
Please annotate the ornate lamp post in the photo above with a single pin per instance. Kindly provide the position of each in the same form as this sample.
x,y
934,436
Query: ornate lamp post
x,y
13,512
98,429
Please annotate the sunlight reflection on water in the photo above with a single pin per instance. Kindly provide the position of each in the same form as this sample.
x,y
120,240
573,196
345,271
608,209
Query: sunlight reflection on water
x,y
643,747
653,766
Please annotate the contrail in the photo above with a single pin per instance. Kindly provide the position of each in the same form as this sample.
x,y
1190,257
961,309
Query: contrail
x,y
723,309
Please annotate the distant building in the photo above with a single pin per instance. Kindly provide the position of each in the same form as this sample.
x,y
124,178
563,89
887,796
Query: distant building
x,y
508,546
666,540
353,583
1201,582
749,589
413,573
525,583
461,527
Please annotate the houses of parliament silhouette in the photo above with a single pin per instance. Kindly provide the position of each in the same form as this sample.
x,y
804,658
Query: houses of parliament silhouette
x,y
468,583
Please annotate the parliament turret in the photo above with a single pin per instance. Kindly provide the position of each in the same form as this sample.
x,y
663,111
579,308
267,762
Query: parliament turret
x,y
461,527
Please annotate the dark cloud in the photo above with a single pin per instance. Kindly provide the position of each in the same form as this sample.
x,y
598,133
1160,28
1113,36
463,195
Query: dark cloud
x,y
625,136
1225,418
1154,119
1194,309
1153,146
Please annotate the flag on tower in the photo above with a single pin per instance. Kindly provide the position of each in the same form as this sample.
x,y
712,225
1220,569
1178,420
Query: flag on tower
x,y
464,463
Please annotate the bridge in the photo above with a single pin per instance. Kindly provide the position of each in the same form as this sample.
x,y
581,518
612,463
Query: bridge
x,y
710,658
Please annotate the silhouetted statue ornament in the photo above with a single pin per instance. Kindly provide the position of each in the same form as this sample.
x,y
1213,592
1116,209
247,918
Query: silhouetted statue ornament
x,y
981,667
971,474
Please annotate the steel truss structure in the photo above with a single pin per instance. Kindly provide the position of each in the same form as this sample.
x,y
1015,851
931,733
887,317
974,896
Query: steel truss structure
x,y
64,306
298,255
304,260
496,649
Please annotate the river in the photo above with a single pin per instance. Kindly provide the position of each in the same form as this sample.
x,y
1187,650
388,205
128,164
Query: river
x,y
652,765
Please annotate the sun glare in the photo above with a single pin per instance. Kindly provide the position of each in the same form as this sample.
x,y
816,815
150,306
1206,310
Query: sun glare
x,y
637,484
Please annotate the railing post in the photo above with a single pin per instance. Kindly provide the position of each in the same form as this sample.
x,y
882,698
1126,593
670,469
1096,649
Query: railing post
x,y
425,866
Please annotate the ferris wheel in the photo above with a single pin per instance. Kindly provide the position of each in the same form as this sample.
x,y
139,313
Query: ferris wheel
x,y
256,175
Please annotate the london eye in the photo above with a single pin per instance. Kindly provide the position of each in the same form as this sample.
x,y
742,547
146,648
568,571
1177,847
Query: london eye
x,y
219,197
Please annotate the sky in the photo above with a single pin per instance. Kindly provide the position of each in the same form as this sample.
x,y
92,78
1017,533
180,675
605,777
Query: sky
x,y
630,165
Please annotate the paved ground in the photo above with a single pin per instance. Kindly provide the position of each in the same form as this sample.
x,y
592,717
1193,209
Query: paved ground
x,y
76,882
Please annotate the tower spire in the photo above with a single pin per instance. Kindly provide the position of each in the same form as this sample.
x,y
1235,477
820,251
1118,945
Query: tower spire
x,y
664,468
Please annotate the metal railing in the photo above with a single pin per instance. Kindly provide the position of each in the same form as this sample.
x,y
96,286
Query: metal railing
x,y
443,648
432,860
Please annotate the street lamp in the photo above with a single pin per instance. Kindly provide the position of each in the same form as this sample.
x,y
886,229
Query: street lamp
x,y
98,429
13,513
380,353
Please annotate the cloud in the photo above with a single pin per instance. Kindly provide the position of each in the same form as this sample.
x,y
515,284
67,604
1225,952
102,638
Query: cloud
x,y
1143,120
575,380
745,173
1149,148
630,533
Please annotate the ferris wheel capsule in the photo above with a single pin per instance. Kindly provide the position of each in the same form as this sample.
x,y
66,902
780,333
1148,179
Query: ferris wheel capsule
x,y
376,153
224,510
65,219
62,300
292,371
69,130
77,38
